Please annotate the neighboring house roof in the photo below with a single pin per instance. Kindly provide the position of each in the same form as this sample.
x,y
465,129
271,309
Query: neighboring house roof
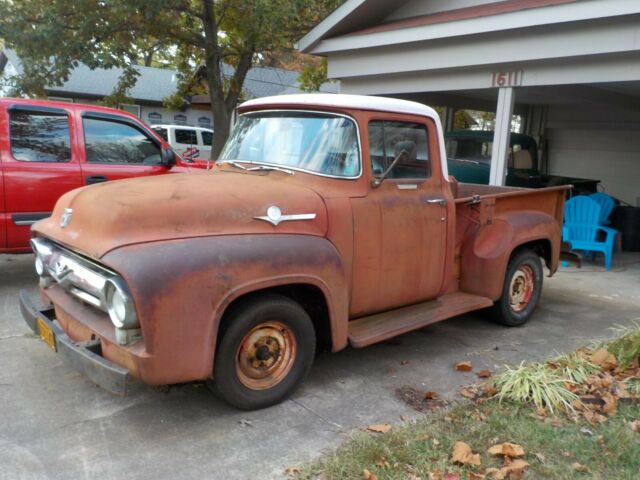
x,y
351,15
155,84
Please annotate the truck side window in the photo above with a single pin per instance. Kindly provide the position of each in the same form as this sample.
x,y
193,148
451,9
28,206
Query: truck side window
x,y
39,137
113,142
388,139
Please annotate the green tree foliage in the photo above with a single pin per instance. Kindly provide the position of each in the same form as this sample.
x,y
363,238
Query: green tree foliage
x,y
54,36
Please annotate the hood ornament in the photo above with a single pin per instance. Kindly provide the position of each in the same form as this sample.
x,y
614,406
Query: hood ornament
x,y
274,216
66,217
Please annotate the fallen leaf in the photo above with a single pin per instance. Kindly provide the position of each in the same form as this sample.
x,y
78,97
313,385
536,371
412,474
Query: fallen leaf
x,y
515,469
465,392
476,476
435,475
507,449
610,406
489,390
463,454
602,358
451,476
404,418
541,458
556,422
464,366
292,471
586,431
594,418
541,411
405,362
578,467
484,374
430,395
634,426
435,442
478,416
367,475
382,462
566,454
379,428
495,473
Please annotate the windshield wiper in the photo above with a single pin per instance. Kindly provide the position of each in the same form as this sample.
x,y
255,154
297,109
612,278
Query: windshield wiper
x,y
269,167
238,164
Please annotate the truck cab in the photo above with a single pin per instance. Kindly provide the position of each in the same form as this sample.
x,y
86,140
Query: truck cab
x,y
329,220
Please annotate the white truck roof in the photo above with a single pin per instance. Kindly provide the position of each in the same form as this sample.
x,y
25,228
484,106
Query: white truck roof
x,y
360,102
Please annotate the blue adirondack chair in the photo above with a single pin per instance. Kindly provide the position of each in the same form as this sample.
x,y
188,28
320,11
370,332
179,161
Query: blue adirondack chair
x,y
582,229
606,206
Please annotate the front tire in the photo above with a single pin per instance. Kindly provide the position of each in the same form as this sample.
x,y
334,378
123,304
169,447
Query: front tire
x,y
264,353
521,291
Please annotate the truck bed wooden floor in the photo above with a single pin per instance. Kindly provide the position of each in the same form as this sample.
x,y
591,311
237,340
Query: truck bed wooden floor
x,y
375,328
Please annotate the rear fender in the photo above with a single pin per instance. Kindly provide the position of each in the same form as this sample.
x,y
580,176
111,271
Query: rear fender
x,y
485,255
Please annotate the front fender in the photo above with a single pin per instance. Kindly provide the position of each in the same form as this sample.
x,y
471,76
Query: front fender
x,y
182,287
485,255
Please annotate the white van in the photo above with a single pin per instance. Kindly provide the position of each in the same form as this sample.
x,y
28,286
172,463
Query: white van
x,y
184,139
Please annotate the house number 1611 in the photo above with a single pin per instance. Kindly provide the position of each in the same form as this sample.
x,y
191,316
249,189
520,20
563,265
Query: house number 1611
x,y
506,79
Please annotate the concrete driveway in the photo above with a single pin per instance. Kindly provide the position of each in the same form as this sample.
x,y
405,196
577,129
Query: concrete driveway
x,y
55,424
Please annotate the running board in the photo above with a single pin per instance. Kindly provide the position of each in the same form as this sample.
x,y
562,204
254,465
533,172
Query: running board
x,y
375,328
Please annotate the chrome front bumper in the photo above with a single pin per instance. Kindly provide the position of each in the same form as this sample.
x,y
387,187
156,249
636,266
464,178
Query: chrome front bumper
x,y
84,357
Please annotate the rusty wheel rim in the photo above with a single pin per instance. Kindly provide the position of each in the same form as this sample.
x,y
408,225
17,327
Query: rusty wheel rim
x,y
266,355
521,288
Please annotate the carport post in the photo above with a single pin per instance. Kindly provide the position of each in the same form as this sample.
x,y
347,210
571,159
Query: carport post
x,y
501,136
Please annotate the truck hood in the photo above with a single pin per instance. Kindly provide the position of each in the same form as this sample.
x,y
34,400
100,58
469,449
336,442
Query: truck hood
x,y
97,219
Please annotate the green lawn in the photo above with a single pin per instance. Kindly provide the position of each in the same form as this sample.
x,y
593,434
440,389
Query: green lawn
x,y
417,449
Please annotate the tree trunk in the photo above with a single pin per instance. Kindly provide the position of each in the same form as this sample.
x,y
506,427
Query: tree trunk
x,y
221,129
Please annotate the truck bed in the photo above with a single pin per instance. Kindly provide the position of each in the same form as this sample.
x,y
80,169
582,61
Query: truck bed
x,y
499,212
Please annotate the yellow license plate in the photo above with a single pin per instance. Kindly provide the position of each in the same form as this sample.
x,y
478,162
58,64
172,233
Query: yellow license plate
x,y
46,334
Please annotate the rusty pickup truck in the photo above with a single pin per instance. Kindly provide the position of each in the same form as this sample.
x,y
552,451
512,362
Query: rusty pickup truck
x,y
328,221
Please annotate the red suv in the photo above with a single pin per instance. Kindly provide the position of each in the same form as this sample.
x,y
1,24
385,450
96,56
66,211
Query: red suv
x,y
48,148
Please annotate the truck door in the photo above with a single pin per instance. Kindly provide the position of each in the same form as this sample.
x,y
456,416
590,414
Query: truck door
x,y
116,147
400,227
39,163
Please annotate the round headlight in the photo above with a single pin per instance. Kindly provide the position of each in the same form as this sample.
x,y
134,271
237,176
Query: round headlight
x,y
120,306
39,263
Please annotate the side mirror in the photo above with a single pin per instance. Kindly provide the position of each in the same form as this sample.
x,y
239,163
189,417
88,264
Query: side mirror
x,y
168,158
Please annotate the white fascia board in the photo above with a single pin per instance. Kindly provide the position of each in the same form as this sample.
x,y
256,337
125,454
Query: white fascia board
x,y
591,70
519,46
335,17
568,13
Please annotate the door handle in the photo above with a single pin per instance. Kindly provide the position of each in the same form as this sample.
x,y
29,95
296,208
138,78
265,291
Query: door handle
x,y
91,179
440,201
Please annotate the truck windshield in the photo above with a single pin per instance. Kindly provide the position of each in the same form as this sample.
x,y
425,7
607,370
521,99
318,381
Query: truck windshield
x,y
319,143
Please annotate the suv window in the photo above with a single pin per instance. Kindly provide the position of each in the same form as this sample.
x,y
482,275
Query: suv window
x,y
113,142
207,138
388,140
162,132
185,136
39,137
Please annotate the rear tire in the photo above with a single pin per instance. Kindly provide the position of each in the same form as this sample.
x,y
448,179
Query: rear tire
x,y
264,353
521,291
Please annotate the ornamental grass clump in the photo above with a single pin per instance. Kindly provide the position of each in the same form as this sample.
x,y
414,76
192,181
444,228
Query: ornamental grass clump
x,y
574,367
536,383
626,347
